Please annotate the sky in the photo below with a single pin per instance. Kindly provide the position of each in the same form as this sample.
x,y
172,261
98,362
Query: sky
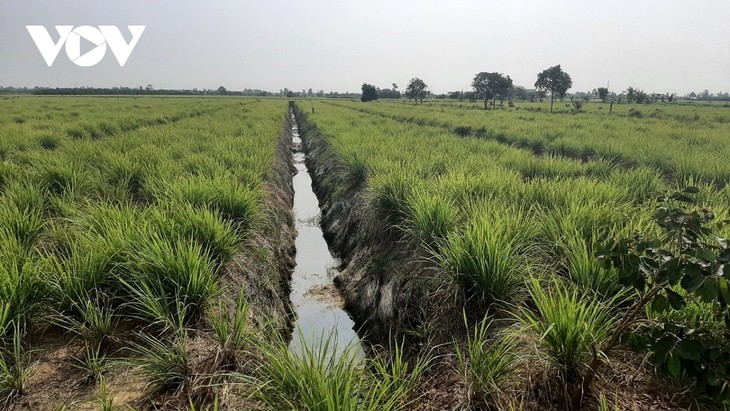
x,y
654,45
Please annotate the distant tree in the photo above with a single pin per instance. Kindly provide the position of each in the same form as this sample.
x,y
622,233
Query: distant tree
x,y
222,91
416,89
455,95
602,93
504,88
692,95
483,87
641,97
149,87
492,86
369,93
395,87
519,93
310,93
705,95
554,80
289,93
388,93
320,93
631,94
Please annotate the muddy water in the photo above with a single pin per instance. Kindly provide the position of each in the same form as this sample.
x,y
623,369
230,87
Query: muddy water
x,y
314,296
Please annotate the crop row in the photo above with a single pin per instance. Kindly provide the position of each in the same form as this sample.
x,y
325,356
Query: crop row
x,y
688,146
507,227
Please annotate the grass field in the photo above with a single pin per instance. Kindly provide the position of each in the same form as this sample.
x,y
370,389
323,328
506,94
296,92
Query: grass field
x,y
512,206
122,220
142,262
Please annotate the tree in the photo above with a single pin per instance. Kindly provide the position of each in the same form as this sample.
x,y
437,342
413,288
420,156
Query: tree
x,y
222,91
483,87
602,93
519,93
554,80
630,95
369,93
503,88
149,87
491,86
416,89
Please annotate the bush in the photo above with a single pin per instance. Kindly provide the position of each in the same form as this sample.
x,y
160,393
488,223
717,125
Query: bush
x,y
48,142
569,324
462,131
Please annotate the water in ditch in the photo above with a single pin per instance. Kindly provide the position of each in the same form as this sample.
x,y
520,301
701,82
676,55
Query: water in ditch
x,y
316,301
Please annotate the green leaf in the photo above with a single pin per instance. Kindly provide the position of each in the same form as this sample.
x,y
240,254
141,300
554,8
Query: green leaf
x,y
660,303
673,365
674,273
675,300
690,349
683,198
724,290
710,290
691,190
692,283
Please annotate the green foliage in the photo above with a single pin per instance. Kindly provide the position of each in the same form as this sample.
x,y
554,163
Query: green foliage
x,y
22,289
48,142
570,325
233,334
686,265
487,366
369,93
15,369
491,85
431,218
416,89
485,256
164,363
554,80
323,377
92,321
92,363
216,236
171,280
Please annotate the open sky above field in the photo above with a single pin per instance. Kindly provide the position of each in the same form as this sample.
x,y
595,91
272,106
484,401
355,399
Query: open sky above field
x,y
658,46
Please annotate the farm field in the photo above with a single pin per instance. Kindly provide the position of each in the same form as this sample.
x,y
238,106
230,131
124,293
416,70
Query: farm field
x,y
147,249
129,230
510,221
670,138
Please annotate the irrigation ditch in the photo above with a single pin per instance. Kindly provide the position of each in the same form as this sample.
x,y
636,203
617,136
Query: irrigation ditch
x,y
383,279
316,301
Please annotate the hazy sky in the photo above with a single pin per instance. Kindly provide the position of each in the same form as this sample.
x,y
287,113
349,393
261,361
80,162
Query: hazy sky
x,y
662,46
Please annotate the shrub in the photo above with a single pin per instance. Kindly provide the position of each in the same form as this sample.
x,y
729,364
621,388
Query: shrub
x,y
569,324
173,281
48,142
486,256
462,131
430,218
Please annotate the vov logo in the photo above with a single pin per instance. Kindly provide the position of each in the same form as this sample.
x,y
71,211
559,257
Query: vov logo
x,y
98,37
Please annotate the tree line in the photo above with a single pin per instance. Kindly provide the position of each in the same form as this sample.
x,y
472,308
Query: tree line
x,y
552,83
